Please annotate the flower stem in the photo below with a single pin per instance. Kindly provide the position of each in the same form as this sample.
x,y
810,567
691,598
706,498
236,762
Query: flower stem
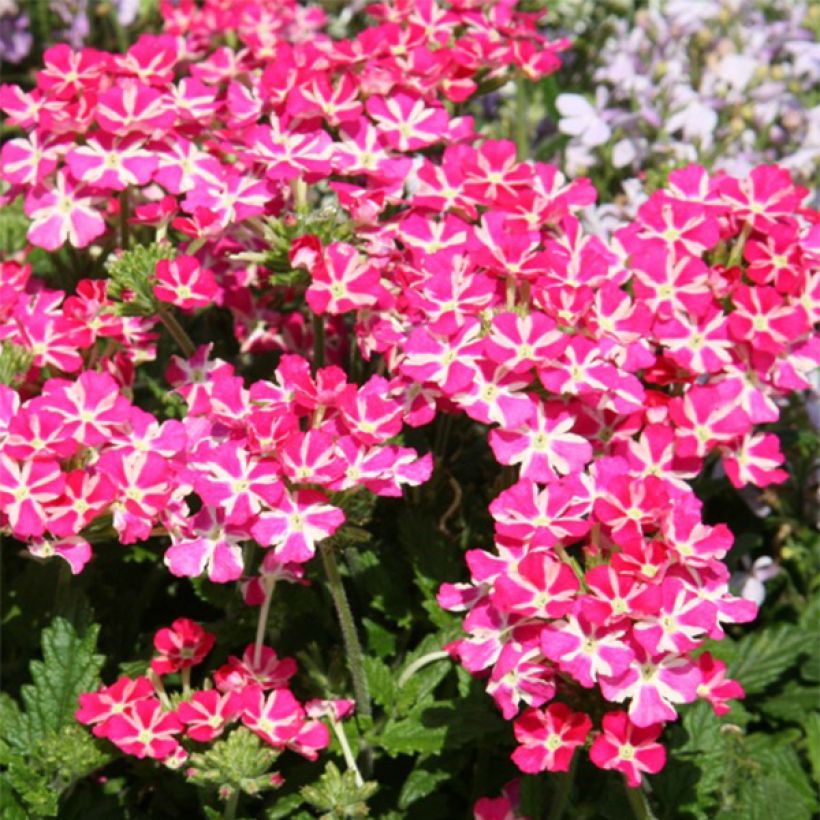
x,y
230,807
521,125
638,803
318,341
125,213
736,255
186,680
177,331
420,663
347,753
353,648
562,791
268,584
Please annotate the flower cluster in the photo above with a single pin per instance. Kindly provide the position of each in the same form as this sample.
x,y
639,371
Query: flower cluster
x,y
327,197
604,574
137,714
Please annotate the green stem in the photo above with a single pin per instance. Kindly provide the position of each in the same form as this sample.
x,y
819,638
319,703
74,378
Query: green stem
x,y
186,680
269,585
572,563
125,213
521,125
737,251
353,648
347,752
230,807
638,803
562,791
420,663
318,341
177,331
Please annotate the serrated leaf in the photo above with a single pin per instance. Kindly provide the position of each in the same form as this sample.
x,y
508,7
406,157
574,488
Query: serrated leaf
x,y
810,617
793,703
379,640
766,798
813,744
284,807
381,681
705,748
777,758
420,783
12,722
422,732
69,668
762,657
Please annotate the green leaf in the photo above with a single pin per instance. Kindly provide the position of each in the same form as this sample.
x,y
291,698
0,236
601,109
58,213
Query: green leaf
x,y
762,657
379,640
381,681
69,668
338,795
423,731
777,759
793,703
420,783
284,807
766,798
813,744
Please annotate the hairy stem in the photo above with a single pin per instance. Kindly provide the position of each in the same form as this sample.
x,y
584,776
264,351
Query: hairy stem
x,y
521,124
177,331
230,807
562,791
638,803
264,610
353,648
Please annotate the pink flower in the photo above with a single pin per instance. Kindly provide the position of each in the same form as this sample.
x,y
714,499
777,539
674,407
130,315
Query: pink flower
x,y
342,281
296,523
207,713
145,730
25,490
185,283
181,646
269,672
544,447
549,737
207,544
63,213
277,718
716,688
96,708
627,748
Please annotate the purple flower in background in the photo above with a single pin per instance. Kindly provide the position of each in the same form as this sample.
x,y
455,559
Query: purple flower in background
x,y
696,121
15,37
750,581
127,11
74,15
579,118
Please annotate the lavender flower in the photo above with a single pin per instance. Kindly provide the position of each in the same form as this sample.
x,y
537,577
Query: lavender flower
x,y
15,37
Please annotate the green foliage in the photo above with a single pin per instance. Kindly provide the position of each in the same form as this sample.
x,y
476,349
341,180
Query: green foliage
x,y
131,278
761,658
43,751
338,795
240,762
14,362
